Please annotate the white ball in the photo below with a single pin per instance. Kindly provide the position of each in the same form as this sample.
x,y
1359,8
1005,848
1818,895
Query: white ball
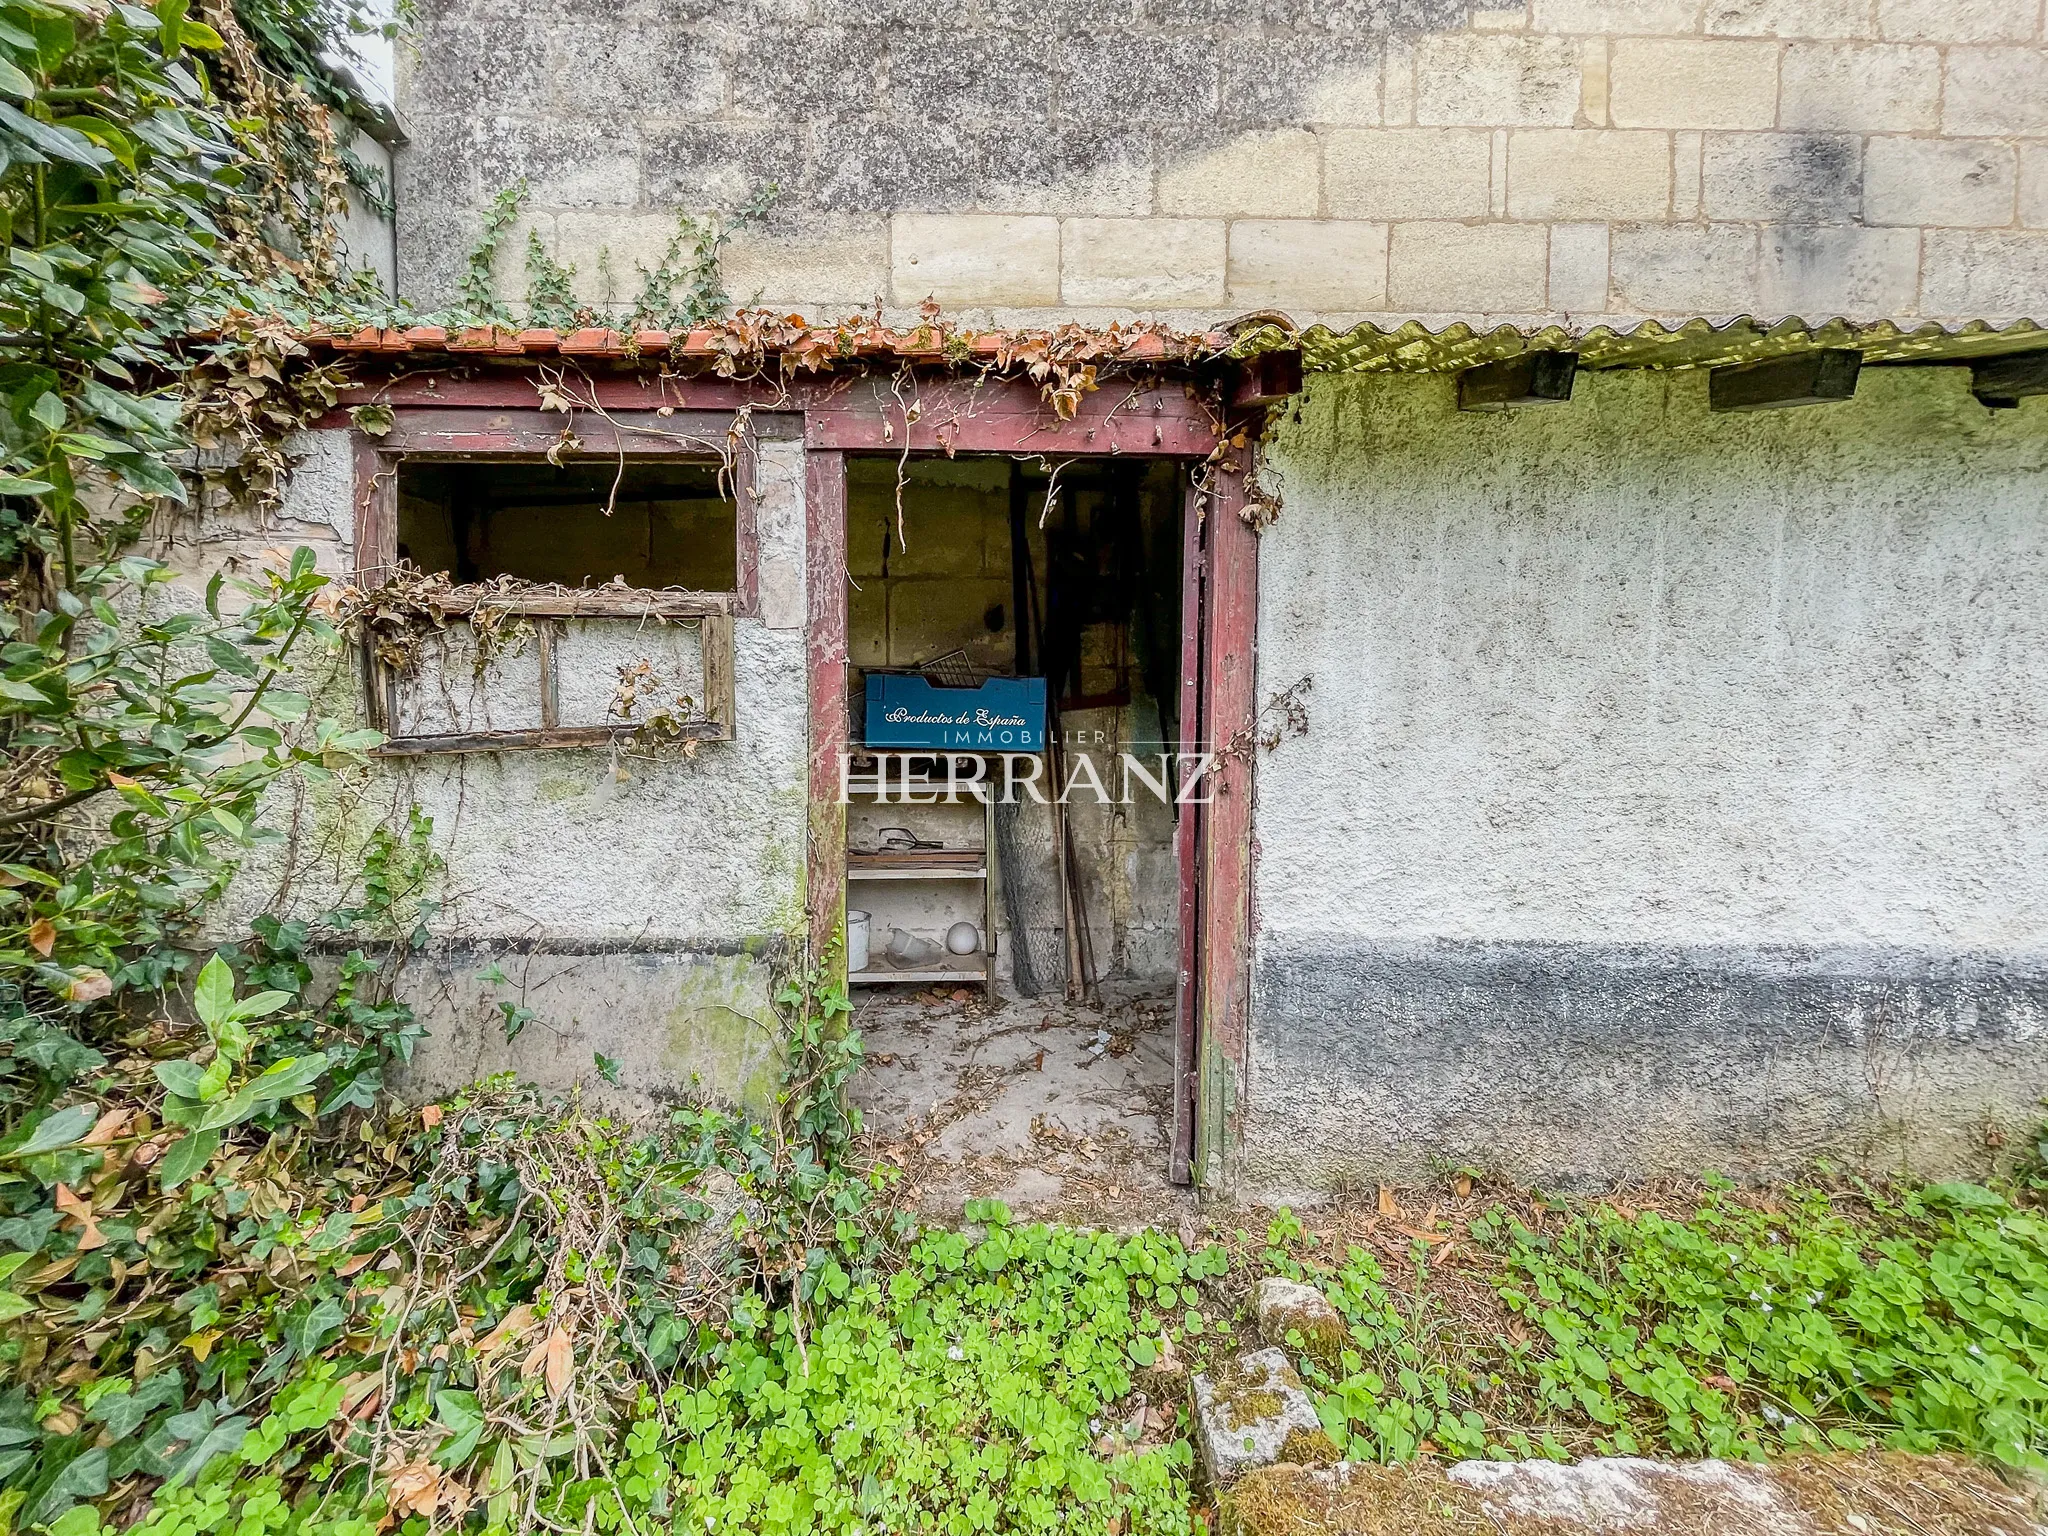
x,y
963,938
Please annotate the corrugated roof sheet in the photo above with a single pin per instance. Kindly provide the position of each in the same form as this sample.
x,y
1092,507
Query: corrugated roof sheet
x,y
1699,343
1410,347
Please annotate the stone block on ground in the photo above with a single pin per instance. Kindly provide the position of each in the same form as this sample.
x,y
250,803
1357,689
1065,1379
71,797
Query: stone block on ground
x,y
1877,1493
1255,1412
1286,1306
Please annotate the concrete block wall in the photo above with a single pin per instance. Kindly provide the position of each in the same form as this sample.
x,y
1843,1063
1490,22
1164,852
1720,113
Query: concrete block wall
x,y
1184,159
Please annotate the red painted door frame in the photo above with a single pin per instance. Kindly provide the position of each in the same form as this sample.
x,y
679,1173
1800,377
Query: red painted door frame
x,y
487,409
1219,990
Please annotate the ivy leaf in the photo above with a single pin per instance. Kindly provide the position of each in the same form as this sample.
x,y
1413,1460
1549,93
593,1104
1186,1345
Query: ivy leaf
x,y
123,1413
63,1129
187,1156
464,1420
287,1079
59,144
206,1435
83,1477
214,993
180,1077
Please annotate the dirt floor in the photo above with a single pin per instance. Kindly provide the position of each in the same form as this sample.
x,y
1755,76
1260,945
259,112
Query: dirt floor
x,y
1058,1110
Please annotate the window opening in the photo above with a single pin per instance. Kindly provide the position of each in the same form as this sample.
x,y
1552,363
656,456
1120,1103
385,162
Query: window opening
x,y
582,523
584,602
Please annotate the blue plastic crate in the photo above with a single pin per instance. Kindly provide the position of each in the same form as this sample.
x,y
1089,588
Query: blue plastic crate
x,y
1005,714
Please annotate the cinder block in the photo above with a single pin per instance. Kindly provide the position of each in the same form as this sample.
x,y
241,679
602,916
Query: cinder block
x,y
830,260
1958,21
1996,91
1315,263
1680,83
929,618
1962,183
974,258
1274,173
1970,275
1860,87
1684,269
1578,268
1588,173
1407,173
1788,18
1142,263
1800,177
1496,80
1467,268
1617,17
1820,271
2034,186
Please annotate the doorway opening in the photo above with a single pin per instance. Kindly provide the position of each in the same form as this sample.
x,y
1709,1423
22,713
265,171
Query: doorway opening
x,y
1038,1062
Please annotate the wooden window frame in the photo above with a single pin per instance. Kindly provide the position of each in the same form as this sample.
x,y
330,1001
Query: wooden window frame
x,y
468,434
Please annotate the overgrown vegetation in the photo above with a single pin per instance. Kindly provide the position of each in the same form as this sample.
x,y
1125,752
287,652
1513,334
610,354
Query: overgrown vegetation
x,y
1911,1319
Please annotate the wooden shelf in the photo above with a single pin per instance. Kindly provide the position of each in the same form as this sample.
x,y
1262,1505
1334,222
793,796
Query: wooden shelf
x,y
918,872
879,971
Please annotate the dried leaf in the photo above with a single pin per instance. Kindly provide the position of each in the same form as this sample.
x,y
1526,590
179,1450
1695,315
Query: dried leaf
x,y
69,1204
359,1397
561,1362
88,986
430,1116
106,1128
414,1488
1389,1206
536,1357
510,1326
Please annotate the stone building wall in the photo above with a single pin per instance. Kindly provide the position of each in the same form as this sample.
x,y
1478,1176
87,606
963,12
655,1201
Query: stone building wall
x,y
1671,783
1338,159
644,910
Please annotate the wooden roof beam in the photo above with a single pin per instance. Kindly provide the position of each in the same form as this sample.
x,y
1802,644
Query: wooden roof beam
x,y
1528,378
2002,382
1819,377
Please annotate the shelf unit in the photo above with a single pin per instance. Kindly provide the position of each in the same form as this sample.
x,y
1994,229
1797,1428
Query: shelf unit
x,y
899,889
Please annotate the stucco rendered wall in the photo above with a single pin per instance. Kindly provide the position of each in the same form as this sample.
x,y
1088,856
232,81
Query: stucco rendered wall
x,y
1192,159
1673,785
640,910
